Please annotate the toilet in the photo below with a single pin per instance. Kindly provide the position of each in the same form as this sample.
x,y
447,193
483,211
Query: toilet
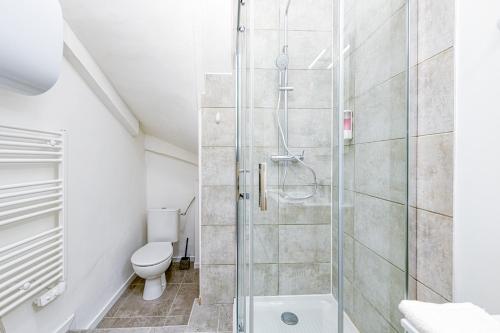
x,y
152,260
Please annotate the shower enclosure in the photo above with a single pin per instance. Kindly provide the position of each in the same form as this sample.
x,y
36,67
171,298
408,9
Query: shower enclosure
x,y
322,92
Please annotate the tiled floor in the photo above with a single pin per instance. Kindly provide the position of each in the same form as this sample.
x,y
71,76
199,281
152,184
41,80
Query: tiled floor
x,y
172,308
204,318
176,311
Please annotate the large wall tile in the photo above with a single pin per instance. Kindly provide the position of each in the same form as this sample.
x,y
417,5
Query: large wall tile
x,y
309,49
367,318
267,14
304,279
222,134
349,166
265,130
434,252
312,89
436,94
369,15
218,206
308,14
381,226
304,243
383,55
305,213
435,173
436,22
265,281
380,282
381,169
218,166
218,244
219,91
425,294
381,112
266,47
265,244
266,88
348,208
309,128
315,210
348,256
217,283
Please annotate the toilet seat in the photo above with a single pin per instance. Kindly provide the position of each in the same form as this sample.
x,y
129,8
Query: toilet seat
x,y
152,254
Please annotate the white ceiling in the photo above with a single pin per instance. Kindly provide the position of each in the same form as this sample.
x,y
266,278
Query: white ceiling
x,y
148,50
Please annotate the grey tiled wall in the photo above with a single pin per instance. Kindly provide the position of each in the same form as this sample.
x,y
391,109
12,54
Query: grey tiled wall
x,y
375,164
218,210
434,151
378,97
292,240
290,237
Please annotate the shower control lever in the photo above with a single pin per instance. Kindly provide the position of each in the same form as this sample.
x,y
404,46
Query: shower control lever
x,y
286,88
263,186
287,158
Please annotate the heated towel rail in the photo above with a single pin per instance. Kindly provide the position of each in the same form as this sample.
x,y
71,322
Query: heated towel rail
x,y
32,216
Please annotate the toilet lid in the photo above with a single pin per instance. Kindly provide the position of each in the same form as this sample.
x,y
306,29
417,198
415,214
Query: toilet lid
x,y
152,254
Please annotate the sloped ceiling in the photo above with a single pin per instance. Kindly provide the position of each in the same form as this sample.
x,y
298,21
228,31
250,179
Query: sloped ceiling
x,y
147,49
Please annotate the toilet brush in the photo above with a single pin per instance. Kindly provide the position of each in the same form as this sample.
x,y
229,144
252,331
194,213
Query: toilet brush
x,y
185,261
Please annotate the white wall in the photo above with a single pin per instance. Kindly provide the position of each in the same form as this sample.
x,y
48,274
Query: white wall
x,y
477,161
172,183
105,199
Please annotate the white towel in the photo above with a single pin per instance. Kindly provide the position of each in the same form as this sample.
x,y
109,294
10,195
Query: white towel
x,y
448,318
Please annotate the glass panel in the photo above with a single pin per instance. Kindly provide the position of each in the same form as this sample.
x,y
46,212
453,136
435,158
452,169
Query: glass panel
x,y
323,100
375,163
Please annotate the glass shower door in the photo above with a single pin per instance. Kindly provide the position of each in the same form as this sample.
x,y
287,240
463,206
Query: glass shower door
x,y
322,165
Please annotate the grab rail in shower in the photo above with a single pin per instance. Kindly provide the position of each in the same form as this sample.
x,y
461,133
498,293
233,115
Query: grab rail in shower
x,y
33,262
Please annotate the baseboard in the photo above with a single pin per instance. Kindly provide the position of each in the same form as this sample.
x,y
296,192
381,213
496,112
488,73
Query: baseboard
x,y
110,303
66,325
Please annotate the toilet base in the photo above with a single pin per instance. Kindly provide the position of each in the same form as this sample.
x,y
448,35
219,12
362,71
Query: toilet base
x,y
154,288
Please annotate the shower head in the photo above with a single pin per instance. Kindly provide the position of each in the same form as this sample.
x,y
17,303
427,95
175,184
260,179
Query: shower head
x,y
287,6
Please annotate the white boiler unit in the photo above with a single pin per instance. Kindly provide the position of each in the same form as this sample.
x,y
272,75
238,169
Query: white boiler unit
x,y
31,45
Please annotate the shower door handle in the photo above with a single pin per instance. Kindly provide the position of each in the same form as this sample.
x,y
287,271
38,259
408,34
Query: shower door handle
x,y
263,186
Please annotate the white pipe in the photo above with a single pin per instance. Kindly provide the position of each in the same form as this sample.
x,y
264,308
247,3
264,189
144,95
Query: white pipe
x,y
37,273
40,282
44,182
28,208
29,137
31,262
27,240
21,193
27,216
29,152
30,130
29,160
24,201
29,255
28,144
28,295
27,248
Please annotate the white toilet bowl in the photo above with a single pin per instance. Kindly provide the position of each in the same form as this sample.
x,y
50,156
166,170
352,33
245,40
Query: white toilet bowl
x,y
150,262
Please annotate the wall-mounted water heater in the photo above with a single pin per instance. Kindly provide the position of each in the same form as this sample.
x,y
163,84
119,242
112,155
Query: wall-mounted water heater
x,y
31,45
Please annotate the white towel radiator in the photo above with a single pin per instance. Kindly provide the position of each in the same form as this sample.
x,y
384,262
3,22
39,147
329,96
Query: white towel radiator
x,y
32,216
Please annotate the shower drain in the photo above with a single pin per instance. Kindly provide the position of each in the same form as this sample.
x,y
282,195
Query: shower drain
x,y
289,318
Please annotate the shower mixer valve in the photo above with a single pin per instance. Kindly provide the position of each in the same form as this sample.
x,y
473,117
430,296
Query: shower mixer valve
x,y
287,158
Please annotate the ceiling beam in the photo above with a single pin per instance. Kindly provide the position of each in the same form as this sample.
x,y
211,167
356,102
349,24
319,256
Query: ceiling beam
x,y
155,145
84,64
